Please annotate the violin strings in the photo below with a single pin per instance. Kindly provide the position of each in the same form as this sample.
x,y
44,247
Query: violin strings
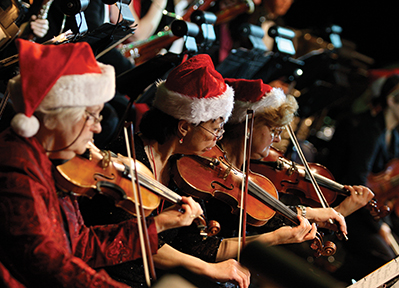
x,y
158,187
277,205
262,194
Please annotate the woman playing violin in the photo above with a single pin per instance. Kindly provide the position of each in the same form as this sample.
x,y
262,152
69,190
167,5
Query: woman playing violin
x,y
44,242
272,110
187,117
194,92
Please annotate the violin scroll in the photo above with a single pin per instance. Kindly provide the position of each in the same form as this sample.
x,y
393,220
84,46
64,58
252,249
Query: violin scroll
x,y
213,228
326,249
207,230
377,212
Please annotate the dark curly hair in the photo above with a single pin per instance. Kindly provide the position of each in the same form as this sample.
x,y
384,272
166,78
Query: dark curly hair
x,y
158,125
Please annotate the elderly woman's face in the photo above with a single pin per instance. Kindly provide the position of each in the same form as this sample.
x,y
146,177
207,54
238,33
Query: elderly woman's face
x,y
263,137
79,134
203,137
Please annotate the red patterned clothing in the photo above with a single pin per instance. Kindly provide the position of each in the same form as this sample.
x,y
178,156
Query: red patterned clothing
x,y
37,246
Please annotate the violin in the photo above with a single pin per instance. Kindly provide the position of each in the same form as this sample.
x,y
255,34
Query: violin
x,y
215,177
290,177
385,184
107,173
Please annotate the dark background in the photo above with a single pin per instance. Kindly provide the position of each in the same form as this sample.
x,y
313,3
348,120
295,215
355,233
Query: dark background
x,y
372,25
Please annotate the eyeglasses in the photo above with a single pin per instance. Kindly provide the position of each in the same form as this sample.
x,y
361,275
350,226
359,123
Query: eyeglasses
x,y
218,134
97,120
275,132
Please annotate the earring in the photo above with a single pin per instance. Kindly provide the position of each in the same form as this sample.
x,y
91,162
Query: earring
x,y
181,140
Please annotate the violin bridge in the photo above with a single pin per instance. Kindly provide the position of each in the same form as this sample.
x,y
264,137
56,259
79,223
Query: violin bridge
x,y
106,159
227,172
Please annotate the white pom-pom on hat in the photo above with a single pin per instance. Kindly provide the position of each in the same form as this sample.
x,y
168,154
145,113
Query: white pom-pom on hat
x,y
25,126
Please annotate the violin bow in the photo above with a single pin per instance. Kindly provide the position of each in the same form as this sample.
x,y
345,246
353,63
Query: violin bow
x,y
148,261
319,193
294,140
316,186
244,186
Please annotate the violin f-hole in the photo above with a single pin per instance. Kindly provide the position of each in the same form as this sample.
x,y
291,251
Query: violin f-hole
x,y
112,177
118,194
222,185
289,182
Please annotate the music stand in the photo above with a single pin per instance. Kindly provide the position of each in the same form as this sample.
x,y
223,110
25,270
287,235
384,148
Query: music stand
x,y
105,37
387,273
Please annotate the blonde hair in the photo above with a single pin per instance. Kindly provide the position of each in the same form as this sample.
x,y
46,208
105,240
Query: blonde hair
x,y
277,117
272,117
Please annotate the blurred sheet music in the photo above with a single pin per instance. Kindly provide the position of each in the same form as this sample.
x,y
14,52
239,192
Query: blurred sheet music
x,y
383,277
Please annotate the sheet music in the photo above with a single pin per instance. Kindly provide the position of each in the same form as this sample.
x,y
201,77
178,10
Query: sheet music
x,y
380,276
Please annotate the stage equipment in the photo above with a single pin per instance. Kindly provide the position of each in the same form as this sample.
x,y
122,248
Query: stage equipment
x,y
189,31
205,20
11,14
255,35
282,39
75,8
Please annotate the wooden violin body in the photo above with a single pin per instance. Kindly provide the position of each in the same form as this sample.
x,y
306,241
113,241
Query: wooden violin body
x,y
210,175
291,178
106,173
385,184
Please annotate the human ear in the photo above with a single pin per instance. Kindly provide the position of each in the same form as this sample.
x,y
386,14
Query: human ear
x,y
182,128
390,100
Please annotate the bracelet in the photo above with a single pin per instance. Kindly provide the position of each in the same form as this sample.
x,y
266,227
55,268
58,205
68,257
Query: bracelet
x,y
303,210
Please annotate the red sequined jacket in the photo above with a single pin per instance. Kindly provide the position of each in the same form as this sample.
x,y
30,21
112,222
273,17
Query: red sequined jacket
x,y
43,240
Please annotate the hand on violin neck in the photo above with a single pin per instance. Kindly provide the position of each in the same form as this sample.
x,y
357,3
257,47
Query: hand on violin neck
x,y
178,215
359,197
323,216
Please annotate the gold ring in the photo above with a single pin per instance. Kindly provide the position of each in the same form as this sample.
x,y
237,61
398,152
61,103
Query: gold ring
x,y
193,216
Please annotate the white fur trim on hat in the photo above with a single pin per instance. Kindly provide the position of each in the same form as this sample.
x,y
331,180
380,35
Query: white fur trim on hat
x,y
273,99
83,89
191,109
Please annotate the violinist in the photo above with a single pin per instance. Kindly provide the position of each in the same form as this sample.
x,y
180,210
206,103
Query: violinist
x,y
193,93
363,144
187,117
273,110
44,242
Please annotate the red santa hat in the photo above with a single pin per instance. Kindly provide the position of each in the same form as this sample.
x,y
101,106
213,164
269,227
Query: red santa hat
x,y
56,76
253,95
195,91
